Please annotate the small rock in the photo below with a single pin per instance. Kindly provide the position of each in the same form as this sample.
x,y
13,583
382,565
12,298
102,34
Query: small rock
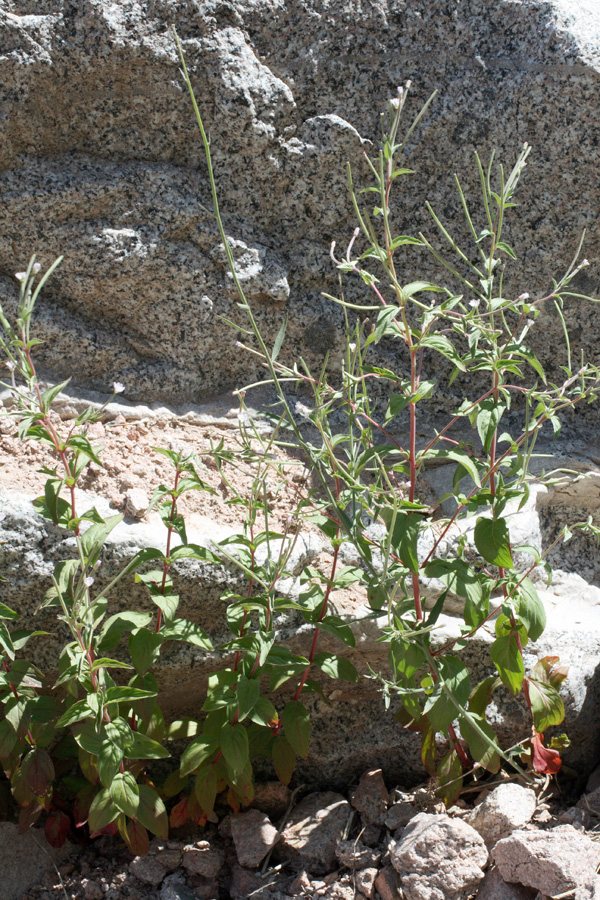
x,y
300,884
272,798
315,826
175,888
371,835
438,857
136,503
253,836
243,882
355,855
147,869
93,891
494,887
591,802
504,810
371,797
170,859
126,483
386,884
203,858
365,881
399,814
552,862
578,818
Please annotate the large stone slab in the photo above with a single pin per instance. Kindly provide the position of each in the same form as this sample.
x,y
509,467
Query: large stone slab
x,y
100,160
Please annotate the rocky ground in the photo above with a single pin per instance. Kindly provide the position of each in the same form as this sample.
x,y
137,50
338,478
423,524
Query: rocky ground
x,y
516,842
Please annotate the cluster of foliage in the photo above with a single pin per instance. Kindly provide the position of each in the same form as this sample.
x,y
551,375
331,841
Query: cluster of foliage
x,y
79,749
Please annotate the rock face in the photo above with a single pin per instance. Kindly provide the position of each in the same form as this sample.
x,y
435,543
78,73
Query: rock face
x,y
552,862
507,808
100,160
438,857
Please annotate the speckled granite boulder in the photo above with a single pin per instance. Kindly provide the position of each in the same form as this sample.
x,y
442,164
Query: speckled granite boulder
x,y
99,159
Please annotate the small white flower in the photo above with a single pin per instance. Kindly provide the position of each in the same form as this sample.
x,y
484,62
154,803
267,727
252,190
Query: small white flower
x,y
118,388
474,303
585,262
303,410
395,102
524,296
20,276
89,581
98,563
9,364
352,347
36,268
530,322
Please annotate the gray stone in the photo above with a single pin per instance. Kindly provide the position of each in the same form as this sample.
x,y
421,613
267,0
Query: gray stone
x,y
175,888
253,836
552,862
371,797
136,503
399,814
203,858
386,884
438,857
494,887
314,828
108,166
147,869
505,809
22,863
355,855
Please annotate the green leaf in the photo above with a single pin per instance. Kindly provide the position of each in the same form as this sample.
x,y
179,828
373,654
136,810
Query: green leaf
x,y
7,613
284,759
140,746
205,787
489,413
248,691
76,712
234,744
102,811
481,751
151,812
264,712
296,723
335,625
93,539
530,609
336,667
547,707
463,459
144,647
455,676
508,660
182,630
482,695
116,626
51,393
127,694
125,793
450,781
110,757
82,445
8,738
196,753
492,539
276,349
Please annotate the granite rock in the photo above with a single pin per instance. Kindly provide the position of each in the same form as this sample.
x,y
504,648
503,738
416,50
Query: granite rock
x,y
313,831
99,154
253,836
504,810
552,862
438,858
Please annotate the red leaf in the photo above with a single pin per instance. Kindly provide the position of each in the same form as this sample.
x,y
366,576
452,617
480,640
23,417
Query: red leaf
x,y
136,837
179,813
195,811
57,828
81,806
543,758
29,815
38,772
